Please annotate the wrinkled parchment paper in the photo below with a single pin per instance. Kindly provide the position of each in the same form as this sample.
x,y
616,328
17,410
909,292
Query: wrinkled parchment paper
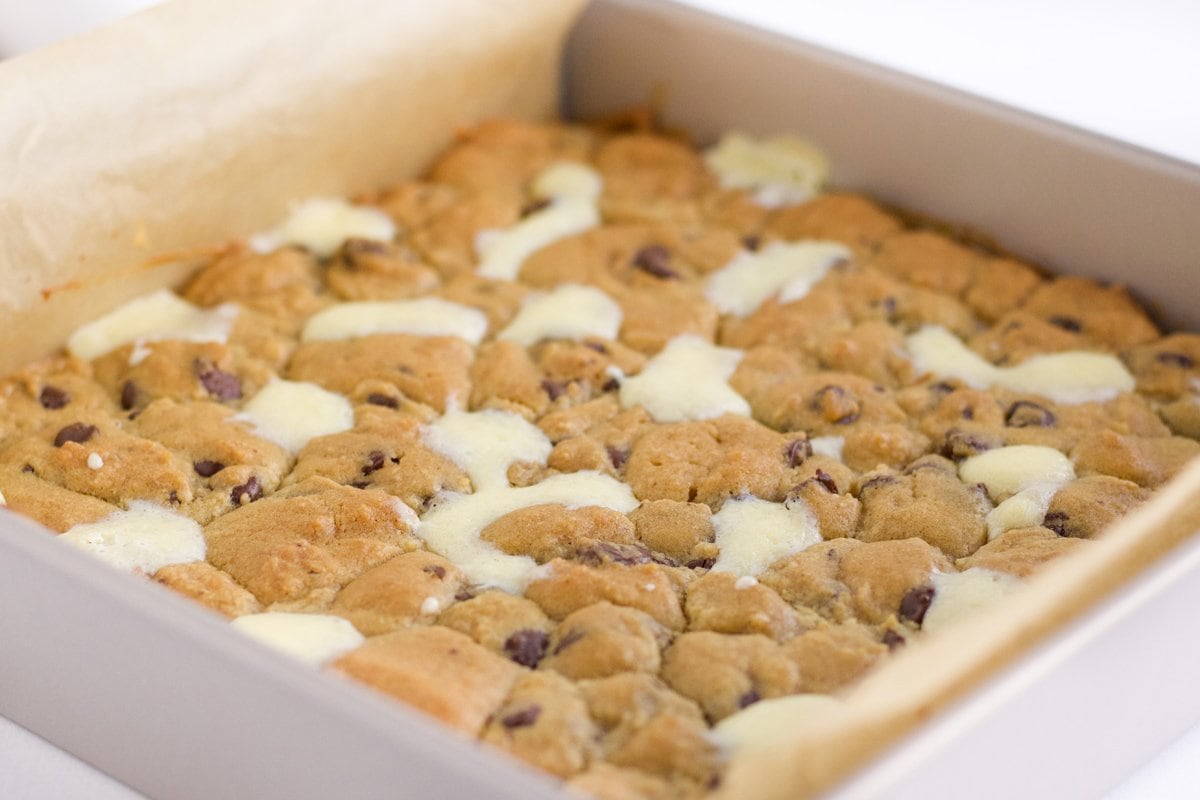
x,y
124,151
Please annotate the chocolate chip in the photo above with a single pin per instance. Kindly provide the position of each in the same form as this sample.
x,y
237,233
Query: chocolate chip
x,y
28,468
627,555
1057,522
751,242
173,497
618,456
825,479
878,480
436,570
597,346
572,636
219,383
893,640
701,563
1170,358
129,395
916,603
959,444
523,718
655,260
836,404
75,432
355,247
247,492
1066,323
375,461
360,484
797,451
206,468
555,389
52,397
534,206
463,595
610,385
383,400
1026,414
527,646
967,413
749,698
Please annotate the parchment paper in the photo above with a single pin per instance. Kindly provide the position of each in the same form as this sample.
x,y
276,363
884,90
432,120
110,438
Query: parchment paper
x,y
123,151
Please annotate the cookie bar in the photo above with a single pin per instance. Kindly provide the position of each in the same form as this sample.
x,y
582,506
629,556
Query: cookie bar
x,y
594,446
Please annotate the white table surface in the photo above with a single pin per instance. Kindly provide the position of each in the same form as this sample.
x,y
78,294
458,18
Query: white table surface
x,y
1128,70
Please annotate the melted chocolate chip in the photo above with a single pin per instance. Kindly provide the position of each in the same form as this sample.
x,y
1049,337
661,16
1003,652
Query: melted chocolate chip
x,y
173,497
219,383
1168,357
463,595
959,444
129,395
797,451
597,346
967,413
749,698
1066,323
360,484
826,480
751,242
383,400
75,432
527,646
915,603
701,563
618,456
893,640
878,480
523,718
655,260
610,385
436,570
572,636
1025,414
1057,522
628,555
838,405
247,492
357,247
206,468
52,397
375,461
534,206
555,389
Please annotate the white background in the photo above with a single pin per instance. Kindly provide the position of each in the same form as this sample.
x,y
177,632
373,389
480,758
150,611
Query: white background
x,y
1129,70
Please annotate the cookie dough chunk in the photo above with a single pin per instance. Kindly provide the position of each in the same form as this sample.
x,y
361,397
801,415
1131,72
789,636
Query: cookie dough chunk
x,y
504,376
447,241
409,589
1000,286
708,461
229,464
511,626
1019,336
841,216
298,547
833,656
180,371
812,579
603,639
436,670
567,586
428,369
49,391
929,260
547,532
1147,461
94,455
384,450
1105,314
284,285
208,586
1021,551
609,782
53,506
880,575
929,504
1167,368
716,603
545,722
649,178
681,531
676,747
365,269
1085,507
724,674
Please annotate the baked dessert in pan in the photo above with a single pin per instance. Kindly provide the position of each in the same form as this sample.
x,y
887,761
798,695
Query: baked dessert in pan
x,y
603,449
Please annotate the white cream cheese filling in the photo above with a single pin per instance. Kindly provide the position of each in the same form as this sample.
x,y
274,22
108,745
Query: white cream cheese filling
x,y
315,639
569,311
290,413
143,538
781,170
426,316
155,317
687,380
787,270
323,224
752,533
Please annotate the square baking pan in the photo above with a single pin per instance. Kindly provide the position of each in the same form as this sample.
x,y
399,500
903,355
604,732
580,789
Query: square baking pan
x,y
214,115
